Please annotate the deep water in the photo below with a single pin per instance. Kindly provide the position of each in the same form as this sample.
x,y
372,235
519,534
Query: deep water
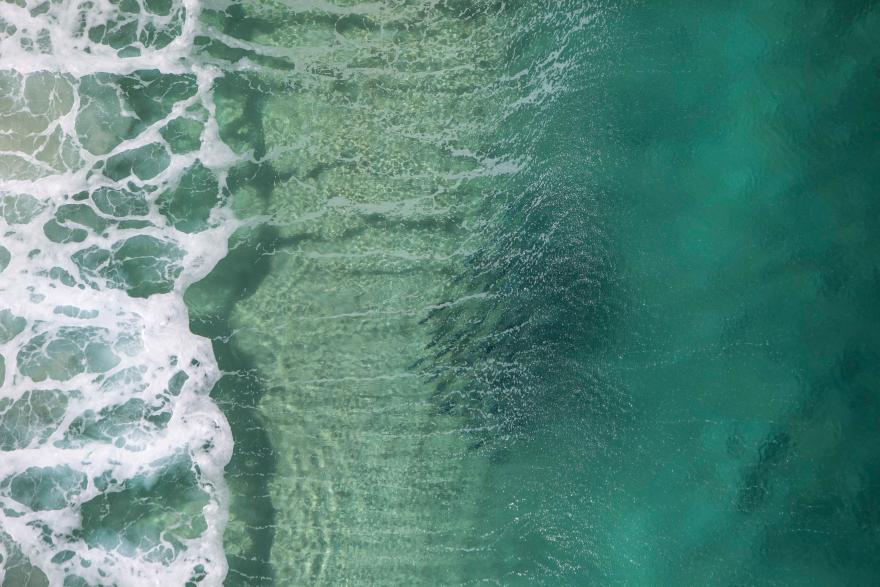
x,y
552,293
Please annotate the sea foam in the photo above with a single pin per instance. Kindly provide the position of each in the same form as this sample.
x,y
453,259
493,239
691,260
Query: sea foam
x,y
111,470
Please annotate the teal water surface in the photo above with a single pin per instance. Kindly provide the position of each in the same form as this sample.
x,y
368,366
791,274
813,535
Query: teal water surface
x,y
630,341
730,432
551,293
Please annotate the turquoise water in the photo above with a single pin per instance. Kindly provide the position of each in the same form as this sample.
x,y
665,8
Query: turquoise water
x,y
417,292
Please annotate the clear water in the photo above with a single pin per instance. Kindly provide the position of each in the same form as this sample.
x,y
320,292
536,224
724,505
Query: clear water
x,y
438,292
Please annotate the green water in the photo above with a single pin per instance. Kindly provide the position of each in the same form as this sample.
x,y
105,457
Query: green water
x,y
552,293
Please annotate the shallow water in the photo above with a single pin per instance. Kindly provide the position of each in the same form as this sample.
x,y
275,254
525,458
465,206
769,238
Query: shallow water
x,y
438,292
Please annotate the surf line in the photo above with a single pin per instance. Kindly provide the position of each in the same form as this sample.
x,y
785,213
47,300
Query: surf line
x,y
111,450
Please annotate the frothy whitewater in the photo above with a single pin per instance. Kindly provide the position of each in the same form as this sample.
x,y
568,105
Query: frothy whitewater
x,y
111,470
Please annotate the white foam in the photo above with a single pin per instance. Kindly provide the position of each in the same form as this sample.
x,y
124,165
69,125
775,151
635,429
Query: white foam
x,y
146,338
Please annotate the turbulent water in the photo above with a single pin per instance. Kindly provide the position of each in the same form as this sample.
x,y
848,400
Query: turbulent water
x,y
439,292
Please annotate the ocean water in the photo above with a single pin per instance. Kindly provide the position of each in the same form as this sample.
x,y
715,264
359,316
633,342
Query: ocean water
x,y
439,292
